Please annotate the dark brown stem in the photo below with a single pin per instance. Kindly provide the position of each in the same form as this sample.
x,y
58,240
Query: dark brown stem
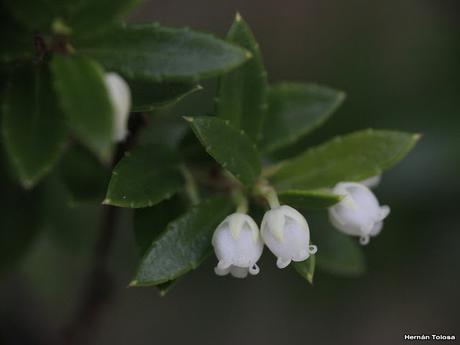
x,y
100,286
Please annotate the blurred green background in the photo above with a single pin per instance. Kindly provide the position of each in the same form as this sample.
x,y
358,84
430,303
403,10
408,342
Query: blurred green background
x,y
399,63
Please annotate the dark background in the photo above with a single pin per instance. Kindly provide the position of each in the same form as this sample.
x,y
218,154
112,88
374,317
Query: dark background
x,y
399,63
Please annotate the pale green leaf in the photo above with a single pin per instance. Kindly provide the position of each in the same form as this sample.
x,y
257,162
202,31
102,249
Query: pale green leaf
x,y
353,157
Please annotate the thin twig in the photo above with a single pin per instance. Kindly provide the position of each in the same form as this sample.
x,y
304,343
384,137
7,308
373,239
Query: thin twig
x,y
100,287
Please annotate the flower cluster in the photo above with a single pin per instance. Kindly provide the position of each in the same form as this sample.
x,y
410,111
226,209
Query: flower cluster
x,y
238,243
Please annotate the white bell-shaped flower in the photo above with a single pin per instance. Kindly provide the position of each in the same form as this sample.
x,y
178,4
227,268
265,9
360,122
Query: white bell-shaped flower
x,y
120,97
238,246
285,232
359,213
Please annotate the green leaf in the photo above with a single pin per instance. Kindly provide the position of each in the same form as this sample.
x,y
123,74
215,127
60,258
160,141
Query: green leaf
x,y
148,95
79,83
184,244
152,52
294,110
337,253
150,222
306,268
230,147
84,175
308,198
242,96
353,157
34,131
143,178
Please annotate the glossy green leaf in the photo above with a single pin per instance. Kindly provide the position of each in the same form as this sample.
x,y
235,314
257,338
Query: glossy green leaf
x,y
337,253
184,244
152,52
79,83
230,147
353,157
308,198
148,95
34,131
294,110
84,175
306,268
143,178
150,222
242,95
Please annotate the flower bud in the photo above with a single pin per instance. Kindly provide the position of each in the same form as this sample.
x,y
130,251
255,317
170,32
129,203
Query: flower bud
x,y
359,212
237,245
120,97
285,232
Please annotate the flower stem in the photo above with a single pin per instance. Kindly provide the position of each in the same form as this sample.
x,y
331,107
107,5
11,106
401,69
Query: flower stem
x,y
240,200
269,193
191,188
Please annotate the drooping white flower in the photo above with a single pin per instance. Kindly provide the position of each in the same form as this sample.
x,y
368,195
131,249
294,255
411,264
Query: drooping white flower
x,y
286,233
237,245
359,213
120,97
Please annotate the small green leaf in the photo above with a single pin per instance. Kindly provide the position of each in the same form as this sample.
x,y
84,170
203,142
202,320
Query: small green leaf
x,y
306,268
143,178
353,157
308,198
230,147
184,244
152,52
294,110
84,175
150,222
337,253
79,83
148,95
242,96
34,131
